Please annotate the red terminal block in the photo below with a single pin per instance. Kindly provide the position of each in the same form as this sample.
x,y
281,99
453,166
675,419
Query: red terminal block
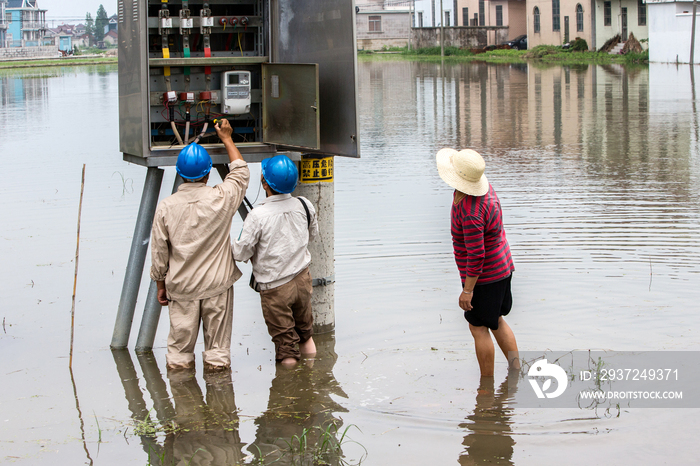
x,y
222,21
244,21
233,21
170,96
187,97
205,95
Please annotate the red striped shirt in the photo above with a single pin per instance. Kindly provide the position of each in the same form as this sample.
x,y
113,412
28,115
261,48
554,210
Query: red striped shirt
x,y
479,239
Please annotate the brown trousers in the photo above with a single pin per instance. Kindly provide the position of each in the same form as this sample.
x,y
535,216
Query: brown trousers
x,y
287,313
216,315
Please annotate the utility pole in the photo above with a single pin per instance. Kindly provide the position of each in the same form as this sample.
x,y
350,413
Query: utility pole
x,y
316,185
410,25
692,34
442,30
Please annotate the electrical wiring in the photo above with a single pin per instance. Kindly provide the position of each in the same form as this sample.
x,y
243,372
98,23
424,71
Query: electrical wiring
x,y
177,133
257,195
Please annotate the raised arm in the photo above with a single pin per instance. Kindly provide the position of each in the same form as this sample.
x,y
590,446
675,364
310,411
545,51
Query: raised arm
x,y
236,182
224,130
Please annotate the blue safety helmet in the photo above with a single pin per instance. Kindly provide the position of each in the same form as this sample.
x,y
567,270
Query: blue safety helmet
x,y
280,173
193,162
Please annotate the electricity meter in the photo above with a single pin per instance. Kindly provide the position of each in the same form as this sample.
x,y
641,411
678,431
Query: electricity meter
x,y
235,92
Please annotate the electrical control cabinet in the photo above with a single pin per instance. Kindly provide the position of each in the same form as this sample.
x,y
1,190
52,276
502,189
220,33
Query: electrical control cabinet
x,y
283,72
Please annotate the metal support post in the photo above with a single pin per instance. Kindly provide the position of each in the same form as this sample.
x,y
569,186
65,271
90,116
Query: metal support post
x,y
151,312
320,190
137,258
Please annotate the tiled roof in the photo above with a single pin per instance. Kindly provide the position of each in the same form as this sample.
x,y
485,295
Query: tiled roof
x,y
20,3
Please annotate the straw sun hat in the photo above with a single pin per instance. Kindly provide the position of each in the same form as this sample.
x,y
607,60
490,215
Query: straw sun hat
x,y
463,170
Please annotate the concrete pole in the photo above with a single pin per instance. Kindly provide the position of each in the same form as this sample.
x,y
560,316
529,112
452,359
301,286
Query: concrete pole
x,y
316,185
442,31
692,34
137,258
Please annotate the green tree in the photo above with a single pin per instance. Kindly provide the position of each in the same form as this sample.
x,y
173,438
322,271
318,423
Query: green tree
x,y
101,22
90,29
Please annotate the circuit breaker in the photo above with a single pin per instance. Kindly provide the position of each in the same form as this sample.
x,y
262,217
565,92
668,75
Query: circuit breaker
x,y
283,73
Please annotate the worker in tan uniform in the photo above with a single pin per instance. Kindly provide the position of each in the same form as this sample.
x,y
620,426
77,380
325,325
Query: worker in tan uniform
x,y
191,255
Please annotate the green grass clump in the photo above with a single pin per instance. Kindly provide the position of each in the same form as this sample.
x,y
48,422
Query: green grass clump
x,y
541,51
635,58
579,45
449,51
504,53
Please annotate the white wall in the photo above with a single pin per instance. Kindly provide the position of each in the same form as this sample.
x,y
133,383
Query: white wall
x,y
426,8
669,32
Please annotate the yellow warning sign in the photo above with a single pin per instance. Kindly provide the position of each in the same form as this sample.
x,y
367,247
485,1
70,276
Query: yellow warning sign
x,y
315,170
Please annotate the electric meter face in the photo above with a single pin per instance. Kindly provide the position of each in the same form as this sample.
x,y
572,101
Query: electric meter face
x,y
235,92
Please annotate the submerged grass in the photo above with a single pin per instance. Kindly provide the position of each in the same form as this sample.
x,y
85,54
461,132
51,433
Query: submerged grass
x,y
302,450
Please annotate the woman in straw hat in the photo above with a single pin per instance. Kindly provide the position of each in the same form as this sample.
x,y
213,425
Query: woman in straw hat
x,y
482,254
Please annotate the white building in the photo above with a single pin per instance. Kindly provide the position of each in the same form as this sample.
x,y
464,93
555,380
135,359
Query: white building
x,y
670,31
427,13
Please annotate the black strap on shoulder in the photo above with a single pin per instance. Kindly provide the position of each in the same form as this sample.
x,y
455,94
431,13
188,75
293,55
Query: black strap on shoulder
x,y
308,215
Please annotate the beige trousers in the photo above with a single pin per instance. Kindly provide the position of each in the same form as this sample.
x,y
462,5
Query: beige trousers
x,y
216,315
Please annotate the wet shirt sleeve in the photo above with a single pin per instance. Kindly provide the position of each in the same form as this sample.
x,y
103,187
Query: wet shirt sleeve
x,y
160,250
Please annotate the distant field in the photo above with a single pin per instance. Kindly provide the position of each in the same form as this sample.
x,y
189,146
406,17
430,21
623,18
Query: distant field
x,y
58,62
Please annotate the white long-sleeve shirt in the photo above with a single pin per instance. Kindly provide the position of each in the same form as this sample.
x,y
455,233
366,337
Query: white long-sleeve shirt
x,y
275,237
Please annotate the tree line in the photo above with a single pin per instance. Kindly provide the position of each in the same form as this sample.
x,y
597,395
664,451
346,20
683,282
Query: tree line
x,y
95,28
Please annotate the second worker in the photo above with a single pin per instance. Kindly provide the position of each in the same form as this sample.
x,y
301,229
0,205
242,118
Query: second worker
x,y
275,238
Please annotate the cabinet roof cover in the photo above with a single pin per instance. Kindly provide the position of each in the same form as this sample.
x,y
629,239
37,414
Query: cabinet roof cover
x,y
323,32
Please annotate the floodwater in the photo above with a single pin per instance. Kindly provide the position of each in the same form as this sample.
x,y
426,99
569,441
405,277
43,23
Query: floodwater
x,y
598,172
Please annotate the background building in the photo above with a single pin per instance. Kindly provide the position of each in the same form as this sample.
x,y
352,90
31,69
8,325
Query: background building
x,y
27,23
510,13
427,13
556,22
670,31
382,23
3,23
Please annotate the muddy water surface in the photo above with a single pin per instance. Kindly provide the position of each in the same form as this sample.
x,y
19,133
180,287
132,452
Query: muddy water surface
x,y
598,172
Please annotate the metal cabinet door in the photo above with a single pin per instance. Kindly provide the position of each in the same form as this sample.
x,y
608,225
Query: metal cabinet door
x,y
323,32
290,106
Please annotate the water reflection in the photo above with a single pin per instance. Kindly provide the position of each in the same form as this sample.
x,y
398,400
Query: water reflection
x,y
137,404
596,163
207,431
190,427
196,431
300,412
489,439
20,90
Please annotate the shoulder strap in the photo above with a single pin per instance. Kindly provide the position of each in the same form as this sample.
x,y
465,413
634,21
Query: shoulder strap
x,y
308,216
